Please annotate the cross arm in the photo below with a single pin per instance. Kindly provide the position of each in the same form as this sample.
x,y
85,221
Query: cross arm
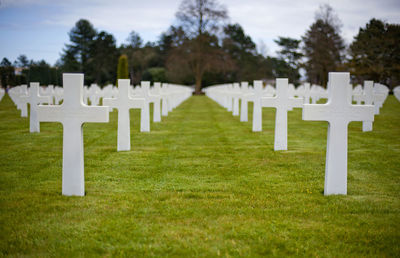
x,y
296,102
268,102
361,113
110,102
359,97
379,97
45,99
137,102
315,112
49,113
154,97
95,114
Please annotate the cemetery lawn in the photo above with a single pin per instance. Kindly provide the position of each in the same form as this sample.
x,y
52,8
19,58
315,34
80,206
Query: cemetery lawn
x,y
200,184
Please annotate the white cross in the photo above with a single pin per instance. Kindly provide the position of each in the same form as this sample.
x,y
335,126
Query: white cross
x,y
72,113
58,95
378,99
34,99
123,102
339,112
94,94
235,94
283,103
145,111
164,99
22,100
244,102
2,92
48,91
257,109
157,102
396,92
306,95
229,88
368,100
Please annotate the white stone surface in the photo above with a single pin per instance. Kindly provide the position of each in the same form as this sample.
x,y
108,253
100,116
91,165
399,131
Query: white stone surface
x,y
291,90
306,93
95,94
157,102
283,103
123,102
164,99
235,98
22,101
72,113
257,108
49,92
368,100
145,111
244,101
2,92
58,95
358,93
269,91
109,92
396,92
339,112
34,99
317,92
380,94
17,93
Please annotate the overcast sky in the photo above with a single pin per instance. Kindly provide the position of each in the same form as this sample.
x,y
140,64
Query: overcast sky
x,y
39,28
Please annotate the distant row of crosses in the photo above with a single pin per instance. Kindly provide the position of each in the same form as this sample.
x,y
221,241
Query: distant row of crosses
x,y
338,112
72,113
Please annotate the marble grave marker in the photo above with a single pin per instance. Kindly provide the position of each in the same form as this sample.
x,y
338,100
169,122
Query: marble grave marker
x,y
73,113
339,112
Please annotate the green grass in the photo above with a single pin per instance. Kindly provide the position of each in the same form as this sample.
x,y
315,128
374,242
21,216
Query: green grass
x,y
200,184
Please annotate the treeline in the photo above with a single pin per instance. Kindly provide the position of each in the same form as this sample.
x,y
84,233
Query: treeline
x,y
202,49
23,71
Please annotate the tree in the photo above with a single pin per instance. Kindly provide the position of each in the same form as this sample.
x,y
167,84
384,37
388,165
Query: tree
x,y
103,58
200,16
22,61
242,50
140,59
7,76
375,53
134,40
200,19
122,71
329,16
323,48
77,54
5,62
43,73
291,54
155,74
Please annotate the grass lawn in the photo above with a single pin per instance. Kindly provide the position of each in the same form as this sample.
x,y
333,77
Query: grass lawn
x,y
200,184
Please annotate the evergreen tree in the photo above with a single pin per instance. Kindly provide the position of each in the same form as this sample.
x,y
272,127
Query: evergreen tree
x,y
323,48
242,50
134,40
291,55
22,61
103,58
77,54
43,73
122,71
7,76
375,53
